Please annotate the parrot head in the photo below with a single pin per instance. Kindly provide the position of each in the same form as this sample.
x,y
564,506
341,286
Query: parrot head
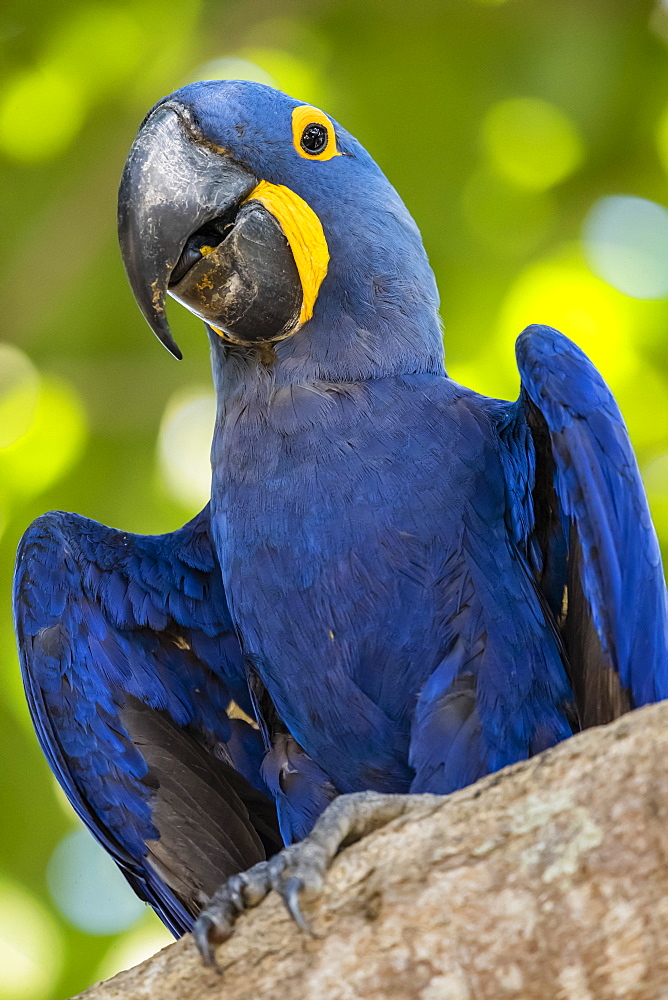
x,y
267,219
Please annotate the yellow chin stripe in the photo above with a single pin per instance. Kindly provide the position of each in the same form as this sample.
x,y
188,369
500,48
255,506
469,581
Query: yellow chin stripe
x,y
303,231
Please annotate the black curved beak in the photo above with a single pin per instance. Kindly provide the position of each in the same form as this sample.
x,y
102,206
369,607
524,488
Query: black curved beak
x,y
173,184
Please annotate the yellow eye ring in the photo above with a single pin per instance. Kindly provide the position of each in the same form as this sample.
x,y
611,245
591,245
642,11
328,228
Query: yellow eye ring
x,y
313,134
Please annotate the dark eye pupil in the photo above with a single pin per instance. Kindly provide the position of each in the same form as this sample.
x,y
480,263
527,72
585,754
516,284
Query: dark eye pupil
x,y
314,138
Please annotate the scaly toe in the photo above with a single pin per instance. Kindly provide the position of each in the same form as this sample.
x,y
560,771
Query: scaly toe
x,y
298,869
215,923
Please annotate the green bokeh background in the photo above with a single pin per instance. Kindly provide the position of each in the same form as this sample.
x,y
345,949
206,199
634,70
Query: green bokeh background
x,y
501,124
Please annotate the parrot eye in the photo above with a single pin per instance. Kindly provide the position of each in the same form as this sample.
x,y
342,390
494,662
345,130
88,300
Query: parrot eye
x,y
314,138
313,134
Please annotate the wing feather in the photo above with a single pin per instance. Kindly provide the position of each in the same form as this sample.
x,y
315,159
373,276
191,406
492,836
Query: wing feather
x,y
130,663
614,624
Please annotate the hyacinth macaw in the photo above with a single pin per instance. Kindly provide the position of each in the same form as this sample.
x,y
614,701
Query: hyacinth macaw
x,y
398,585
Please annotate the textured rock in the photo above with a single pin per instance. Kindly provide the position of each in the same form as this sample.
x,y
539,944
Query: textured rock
x,y
547,880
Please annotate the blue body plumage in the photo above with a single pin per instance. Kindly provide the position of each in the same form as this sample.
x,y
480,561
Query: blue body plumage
x,y
374,598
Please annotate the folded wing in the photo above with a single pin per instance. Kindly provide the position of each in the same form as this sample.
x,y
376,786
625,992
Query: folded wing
x,y
599,553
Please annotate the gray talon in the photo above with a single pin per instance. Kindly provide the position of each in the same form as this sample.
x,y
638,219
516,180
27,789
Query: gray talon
x,y
201,930
290,896
299,867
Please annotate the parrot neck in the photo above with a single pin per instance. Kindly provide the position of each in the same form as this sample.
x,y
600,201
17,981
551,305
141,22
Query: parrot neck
x,y
376,315
340,351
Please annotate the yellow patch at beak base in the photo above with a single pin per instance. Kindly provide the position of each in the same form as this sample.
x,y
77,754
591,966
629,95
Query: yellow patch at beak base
x,y
303,231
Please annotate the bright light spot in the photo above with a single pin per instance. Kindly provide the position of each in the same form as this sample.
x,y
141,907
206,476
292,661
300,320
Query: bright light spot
x,y
271,66
31,948
644,392
626,242
134,948
52,444
565,295
296,77
531,143
88,888
489,373
184,446
232,68
41,111
655,477
19,388
510,220
101,44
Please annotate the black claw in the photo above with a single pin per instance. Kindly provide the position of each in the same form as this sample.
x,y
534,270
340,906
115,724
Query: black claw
x,y
290,896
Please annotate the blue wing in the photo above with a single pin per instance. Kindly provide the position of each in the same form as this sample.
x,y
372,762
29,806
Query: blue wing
x,y
597,545
135,684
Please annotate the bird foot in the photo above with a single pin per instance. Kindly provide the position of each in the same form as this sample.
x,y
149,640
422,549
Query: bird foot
x,y
297,869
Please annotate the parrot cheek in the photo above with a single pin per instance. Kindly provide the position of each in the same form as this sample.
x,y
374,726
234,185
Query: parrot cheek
x,y
248,287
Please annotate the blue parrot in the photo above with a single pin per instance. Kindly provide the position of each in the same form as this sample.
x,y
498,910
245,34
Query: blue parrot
x,y
398,585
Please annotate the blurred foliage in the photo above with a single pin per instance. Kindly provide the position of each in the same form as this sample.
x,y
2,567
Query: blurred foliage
x,y
506,126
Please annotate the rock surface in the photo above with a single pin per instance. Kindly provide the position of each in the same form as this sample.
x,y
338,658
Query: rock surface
x,y
546,880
